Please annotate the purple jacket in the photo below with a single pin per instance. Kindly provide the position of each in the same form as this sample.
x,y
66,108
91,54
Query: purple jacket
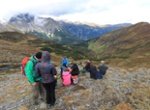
x,y
45,69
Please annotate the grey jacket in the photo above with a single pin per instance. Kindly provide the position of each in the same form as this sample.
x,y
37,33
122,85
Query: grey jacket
x,y
45,69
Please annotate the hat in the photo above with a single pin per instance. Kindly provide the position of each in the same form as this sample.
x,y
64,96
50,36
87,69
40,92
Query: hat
x,y
38,55
102,62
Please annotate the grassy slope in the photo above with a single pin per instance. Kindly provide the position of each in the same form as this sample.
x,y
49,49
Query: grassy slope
x,y
14,46
129,46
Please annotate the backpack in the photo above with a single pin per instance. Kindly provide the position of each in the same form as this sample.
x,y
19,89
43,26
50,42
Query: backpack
x,y
23,64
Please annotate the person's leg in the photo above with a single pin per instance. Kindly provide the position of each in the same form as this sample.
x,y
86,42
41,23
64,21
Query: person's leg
x,y
35,94
61,71
42,93
48,92
52,91
91,75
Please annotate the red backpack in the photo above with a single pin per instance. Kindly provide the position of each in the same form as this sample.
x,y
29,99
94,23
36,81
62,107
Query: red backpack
x,y
23,64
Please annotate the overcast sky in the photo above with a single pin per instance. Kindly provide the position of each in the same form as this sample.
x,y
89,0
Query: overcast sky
x,y
90,11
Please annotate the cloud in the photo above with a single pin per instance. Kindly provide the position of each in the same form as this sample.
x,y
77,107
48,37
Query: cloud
x,y
111,12
52,7
92,11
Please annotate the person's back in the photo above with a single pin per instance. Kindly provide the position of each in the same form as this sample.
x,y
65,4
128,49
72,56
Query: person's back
x,y
63,64
75,70
66,77
64,61
102,68
47,71
74,73
87,66
93,71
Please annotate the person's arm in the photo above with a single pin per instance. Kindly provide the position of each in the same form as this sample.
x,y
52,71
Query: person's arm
x,y
54,72
68,62
29,72
37,70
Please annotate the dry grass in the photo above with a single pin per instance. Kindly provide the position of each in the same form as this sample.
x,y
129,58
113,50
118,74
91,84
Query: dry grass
x,y
120,89
123,106
13,87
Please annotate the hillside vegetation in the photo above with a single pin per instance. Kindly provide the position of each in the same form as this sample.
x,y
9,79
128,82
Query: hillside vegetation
x,y
129,46
14,46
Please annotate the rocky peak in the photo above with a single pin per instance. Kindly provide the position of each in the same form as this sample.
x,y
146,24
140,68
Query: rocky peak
x,y
23,17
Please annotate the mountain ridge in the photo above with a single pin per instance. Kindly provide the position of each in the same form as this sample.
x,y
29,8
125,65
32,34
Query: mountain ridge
x,y
51,29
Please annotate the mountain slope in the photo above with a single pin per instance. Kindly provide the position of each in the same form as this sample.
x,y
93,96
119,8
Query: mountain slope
x,y
129,43
14,46
86,32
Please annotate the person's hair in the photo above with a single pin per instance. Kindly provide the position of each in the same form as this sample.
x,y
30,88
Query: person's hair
x,y
38,55
102,62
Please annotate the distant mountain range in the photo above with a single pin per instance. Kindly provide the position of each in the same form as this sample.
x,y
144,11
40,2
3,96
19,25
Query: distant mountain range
x,y
58,31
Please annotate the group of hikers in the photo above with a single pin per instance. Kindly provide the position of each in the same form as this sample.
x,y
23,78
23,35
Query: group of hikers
x,y
42,75
92,69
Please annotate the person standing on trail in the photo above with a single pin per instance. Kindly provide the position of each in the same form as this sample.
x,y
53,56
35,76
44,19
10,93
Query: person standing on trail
x,y
32,77
47,71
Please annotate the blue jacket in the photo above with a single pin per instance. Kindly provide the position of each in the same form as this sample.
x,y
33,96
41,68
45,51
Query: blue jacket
x,y
45,69
64,62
